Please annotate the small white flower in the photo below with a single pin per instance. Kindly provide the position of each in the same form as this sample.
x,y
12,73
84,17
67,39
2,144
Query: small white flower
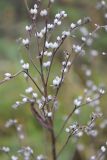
x,y
25,41
43,31
44,12
103,3
77,111
67,130
65,15
63,63
33,11
73,25
59,23
5,149
21,61
25,75
77,102
8,75
103,149
55,21
14,158
73,126
40,157
28,28
65,70
88,72
29,90
49,114
46,64
84,31
49,97
94,53
69,63
49,54
62,13
39,102
21,136
55,45
56,81
35,6
47,44
35,95
79,22
30,150
58,38
39,35
77,48
52,1
79,134
58,15
102,91
66,33
104,53
51,45
25,66
83,39
88,99
24,99
92,158
105,15
10,123
17,102
50,26
43,98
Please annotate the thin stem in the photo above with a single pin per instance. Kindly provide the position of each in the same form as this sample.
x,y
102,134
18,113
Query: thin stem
x,y
65,122
69,116
62,76
53,141
26,4
34,82
40,58
13,76
34,64
65,144
54,52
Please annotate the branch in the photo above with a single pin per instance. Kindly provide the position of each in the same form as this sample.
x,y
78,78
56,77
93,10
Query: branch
x,y
39,118
69,116
11,77
34,82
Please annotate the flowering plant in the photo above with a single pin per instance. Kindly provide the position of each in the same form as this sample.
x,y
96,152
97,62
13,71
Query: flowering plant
x,y
42,96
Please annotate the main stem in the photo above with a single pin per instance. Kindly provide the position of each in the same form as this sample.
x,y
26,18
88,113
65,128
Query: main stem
x,y
53,145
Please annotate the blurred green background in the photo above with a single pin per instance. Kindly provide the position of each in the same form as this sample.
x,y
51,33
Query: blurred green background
x,y
13,19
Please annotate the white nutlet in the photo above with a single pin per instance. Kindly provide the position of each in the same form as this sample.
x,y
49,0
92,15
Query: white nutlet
x,y
7,76
28,28
49,114
25,41
44,13
25,66
29,90
73,25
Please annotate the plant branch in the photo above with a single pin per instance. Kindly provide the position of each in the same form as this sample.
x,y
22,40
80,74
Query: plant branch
x,y
53,146
34,82
13,76
71,113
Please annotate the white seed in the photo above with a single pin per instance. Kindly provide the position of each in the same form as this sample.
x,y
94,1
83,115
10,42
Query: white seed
x,y
25,66
73,25
44,12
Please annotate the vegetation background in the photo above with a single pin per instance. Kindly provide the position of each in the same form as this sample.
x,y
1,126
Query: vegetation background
x,y
13,19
